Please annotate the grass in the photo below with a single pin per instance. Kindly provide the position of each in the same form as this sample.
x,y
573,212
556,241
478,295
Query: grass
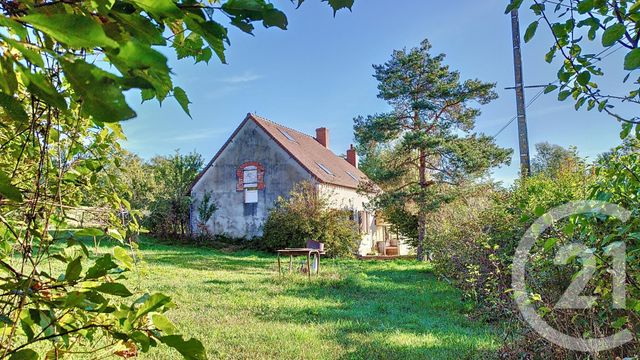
x,y
239,307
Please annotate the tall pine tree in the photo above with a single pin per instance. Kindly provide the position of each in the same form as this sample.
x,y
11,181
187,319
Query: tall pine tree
x,y
425,146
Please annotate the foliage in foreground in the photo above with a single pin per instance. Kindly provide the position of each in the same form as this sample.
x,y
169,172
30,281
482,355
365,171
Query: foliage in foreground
x,y
584,33
474,241
306,215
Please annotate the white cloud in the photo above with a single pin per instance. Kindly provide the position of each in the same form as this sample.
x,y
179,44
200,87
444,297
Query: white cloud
x,y
247,76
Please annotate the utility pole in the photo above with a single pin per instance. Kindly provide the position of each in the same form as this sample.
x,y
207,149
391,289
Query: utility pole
x,y
523,137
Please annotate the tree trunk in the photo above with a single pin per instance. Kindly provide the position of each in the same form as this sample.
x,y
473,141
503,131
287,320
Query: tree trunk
x,y
422,218
421,233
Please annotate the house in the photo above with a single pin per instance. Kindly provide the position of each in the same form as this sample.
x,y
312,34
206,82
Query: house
x,y
262,161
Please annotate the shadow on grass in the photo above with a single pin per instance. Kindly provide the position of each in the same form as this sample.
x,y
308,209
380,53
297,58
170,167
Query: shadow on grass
x,y
391,314
375,310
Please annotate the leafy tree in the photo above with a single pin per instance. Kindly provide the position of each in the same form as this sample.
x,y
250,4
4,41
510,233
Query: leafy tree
x,y
206,209
585,32
64,69
137,175
550,158
169,213
428,134
306,215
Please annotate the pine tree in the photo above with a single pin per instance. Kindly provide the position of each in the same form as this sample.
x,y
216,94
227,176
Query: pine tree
x,y
428,137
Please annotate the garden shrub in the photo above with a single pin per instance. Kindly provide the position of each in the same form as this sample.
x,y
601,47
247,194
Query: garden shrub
x,y
473,240
306,215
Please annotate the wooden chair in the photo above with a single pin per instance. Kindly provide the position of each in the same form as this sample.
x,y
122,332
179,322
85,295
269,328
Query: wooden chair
x,y
389,247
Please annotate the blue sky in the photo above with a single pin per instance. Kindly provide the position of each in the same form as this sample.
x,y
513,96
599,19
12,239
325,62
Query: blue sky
x,y
318,73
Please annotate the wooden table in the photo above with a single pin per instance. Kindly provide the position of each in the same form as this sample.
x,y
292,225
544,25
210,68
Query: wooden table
x,y
291,252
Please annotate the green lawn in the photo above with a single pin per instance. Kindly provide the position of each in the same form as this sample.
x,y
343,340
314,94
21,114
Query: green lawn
x,y
239,307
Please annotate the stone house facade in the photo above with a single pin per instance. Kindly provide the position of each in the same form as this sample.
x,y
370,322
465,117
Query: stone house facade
x,y
262,161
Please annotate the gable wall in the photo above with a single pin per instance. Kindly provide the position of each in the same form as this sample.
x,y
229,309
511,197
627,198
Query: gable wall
x,y
280,175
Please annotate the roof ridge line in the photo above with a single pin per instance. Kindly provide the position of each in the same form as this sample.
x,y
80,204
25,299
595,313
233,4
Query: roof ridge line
x,y
280,125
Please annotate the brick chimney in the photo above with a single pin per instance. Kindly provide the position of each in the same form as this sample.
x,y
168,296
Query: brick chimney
x,y
352,156
322,136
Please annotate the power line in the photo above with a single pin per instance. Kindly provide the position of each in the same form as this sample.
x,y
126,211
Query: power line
x,y
536,96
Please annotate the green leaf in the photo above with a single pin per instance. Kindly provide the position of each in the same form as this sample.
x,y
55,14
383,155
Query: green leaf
x,y
164,324
43,88
182,99
141,28
33,56
537,8
626,129
213,33
74,268
160,8
7,190
191,350
14,27
152,303
632,60
620,322
612,34
550,243
89,232
74,298
550,88
563,95
548,57
8,80
24,354
531,31
101,267
122,255
345,4
275,17
116,289
142,339
13,108
140,56
583,78
74,30
100,93
584,6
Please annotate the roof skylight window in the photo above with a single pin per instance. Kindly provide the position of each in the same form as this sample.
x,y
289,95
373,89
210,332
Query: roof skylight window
x,y
326,169
287,135
353,176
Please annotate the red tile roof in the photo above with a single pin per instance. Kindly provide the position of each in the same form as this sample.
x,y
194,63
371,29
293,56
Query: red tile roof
x,y
314,157
307,151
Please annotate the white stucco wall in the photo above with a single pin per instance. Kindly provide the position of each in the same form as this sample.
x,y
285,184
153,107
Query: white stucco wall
x,y
345,198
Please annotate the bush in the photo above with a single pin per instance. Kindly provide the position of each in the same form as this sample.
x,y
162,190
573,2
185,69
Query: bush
x,y
473,240
159,190
306,215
